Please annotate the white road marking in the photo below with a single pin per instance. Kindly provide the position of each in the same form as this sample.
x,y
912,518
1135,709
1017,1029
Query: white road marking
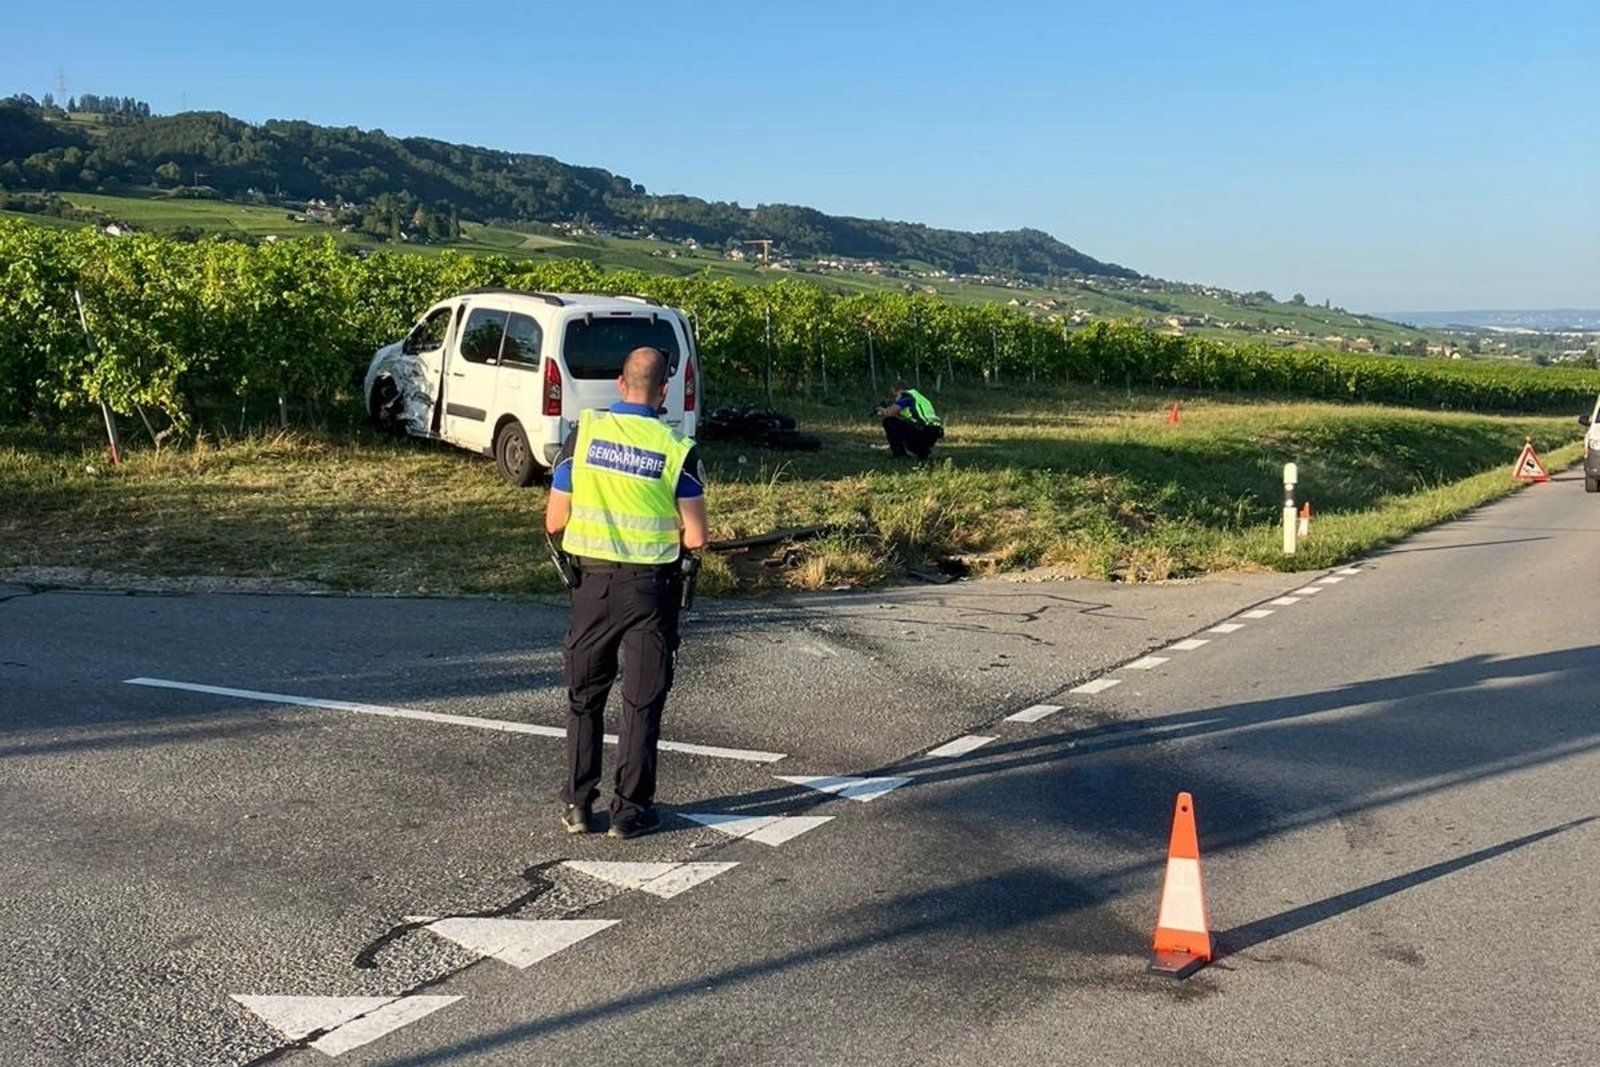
x,y
767,829
350,1022
960,746
519,942
1188,644
1226,628
502,725
665,880
1034,714
1331,579
1099,685
1258,613
1350,572
1145,663
1285,601
862,789
1310,590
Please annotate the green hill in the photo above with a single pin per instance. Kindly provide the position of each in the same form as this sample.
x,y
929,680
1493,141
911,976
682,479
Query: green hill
x,y
46,149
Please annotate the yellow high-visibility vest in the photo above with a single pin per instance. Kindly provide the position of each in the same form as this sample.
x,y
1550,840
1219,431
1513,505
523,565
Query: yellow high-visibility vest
x,y
625,489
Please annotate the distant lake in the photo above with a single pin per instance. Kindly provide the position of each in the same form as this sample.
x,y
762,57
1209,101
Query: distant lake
x,y
1544,320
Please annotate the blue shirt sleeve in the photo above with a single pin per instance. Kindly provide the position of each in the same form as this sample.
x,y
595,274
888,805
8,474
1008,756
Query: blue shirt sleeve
x,y
691,480
904,402
561,477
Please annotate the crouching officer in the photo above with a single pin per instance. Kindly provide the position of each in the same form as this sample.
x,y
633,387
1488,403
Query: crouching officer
x,y
626,497
910,423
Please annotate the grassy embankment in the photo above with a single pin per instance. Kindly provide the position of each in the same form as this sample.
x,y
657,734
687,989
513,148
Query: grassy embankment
x,y
1075,483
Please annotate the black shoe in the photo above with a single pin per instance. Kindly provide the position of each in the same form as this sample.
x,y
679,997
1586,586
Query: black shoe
x,y
576,818
634,823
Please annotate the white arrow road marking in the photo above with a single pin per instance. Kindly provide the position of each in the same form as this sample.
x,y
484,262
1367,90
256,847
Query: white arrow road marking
x,y
1285,601
1099,685
503,725
862,789
664,880
1258,613
1188,644
767,829
350,1022
1034,714
1146,663
960,746
519,942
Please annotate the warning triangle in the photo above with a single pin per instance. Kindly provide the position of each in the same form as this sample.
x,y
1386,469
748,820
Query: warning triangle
x,y
348,1022
519,942
1528,468
665,880
767,829
862,789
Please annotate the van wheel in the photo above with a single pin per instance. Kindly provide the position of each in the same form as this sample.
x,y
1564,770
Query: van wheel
x,y
1591,483
384,407
513,456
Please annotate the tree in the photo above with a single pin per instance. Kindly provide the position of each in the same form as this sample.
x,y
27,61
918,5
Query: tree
x,y
169,174
1298,300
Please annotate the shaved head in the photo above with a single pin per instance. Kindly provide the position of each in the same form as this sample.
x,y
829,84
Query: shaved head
x,y
644,374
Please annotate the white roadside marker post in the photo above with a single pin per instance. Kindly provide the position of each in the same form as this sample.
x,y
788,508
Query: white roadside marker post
x,y
1291,477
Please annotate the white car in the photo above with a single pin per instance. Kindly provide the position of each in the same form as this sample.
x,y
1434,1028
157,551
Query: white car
x,y
506,373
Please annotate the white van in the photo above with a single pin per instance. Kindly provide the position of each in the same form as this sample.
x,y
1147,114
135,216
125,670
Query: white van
x,y
1591,448
506,373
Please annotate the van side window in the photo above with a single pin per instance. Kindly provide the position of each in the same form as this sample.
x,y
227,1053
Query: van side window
x,y
429,333
523,339
480,341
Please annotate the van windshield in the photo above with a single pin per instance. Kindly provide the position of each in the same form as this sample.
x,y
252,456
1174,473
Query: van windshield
x,y
595,348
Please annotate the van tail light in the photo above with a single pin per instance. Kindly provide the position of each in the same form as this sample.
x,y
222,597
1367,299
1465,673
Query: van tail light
x,y
552,388
691,385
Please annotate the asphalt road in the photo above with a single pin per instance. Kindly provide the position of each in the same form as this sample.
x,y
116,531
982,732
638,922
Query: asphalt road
x,y
1393,778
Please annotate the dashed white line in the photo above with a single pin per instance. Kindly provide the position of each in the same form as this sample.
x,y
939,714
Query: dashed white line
x,y
1099,685
1146,663
1310,590
1331,579
1188,644
960,746
1034,714
502,725
1349,572
1226,628
1285,601
1258,613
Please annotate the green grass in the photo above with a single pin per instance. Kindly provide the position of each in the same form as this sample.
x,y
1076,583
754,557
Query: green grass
x,y
1079,483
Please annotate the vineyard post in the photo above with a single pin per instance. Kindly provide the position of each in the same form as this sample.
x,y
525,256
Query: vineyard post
x,y
994,355
916,348
112,436
768,343
872,363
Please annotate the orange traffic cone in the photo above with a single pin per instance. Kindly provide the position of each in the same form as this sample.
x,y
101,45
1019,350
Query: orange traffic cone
x,y
1173,413
1183,933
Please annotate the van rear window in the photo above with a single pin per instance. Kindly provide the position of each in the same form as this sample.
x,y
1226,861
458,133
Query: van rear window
x,y
595,348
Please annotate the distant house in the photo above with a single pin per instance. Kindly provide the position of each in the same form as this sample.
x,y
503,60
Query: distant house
x,y
322,214
117,229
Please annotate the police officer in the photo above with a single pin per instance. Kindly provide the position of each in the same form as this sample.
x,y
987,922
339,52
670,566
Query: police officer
x,y
910,423
626,497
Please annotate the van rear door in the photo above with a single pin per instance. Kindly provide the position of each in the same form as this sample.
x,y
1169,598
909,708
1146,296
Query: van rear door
x,y
593,347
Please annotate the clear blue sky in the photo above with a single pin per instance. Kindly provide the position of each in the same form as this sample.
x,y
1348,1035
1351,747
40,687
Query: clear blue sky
x,y
1389,155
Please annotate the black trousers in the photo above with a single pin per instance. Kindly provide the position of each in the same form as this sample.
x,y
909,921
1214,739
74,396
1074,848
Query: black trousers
x,y
913,437
632,611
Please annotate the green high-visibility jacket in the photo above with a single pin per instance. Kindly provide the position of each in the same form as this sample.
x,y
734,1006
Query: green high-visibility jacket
x,y
921,410
624,489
